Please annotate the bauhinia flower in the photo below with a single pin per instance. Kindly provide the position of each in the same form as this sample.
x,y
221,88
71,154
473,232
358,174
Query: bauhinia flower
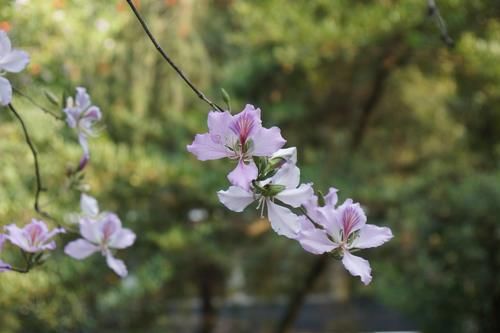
x,y
81,115
104,234
11,60
238,137
3,266
34,237
283,186
343,229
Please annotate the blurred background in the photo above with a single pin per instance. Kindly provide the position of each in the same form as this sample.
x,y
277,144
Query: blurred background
x,y
377,105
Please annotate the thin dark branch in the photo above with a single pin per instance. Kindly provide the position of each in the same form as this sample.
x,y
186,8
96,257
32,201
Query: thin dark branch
x,y
170,61
32,101
433,12
39,187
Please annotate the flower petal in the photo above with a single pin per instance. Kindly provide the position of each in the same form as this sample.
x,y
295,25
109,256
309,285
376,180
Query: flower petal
x,y
80,249
235,198
17,237
331,198
5,91
82,98
350,217
219,122
372,236
314,240
91,230
282,220
117,265
208,147
243,174
267,141
357,266
122,238
89,205
5,46
14,61
288,175
296,196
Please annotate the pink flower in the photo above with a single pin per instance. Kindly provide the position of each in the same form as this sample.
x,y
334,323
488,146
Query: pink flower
x,y
3,266
283,186
81,115
104,234
238,137
11,60
34,237
344,229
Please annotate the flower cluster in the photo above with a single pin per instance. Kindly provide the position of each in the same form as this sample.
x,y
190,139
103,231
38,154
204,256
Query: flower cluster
x,y
267,174
11,60
81,116
33,239
100,232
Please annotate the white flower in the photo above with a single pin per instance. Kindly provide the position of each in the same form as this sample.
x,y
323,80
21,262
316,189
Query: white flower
x,y
11,60
283,186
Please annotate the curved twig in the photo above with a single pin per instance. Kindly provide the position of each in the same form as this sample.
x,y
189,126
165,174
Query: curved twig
x,y
433,11
39,187
170,61
32,101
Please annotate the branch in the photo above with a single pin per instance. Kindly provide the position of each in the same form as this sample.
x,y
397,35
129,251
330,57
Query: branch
x,y
32,101
433,12
39,187
170,61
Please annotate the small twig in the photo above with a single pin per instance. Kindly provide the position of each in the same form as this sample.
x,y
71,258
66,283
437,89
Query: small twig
x,y
39,187
32,101
170,61
433,11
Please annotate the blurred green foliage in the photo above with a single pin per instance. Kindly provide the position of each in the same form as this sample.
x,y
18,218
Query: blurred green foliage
x,y
374,101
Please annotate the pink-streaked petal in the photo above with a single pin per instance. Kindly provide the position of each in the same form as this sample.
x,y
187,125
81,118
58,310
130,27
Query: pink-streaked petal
x,y
122,238
246,123
295,197
5,46
331,198
208,147
243,174
235,198
14,61
283,221
267,141
350,217
117,265
288,176
89,205
314,240
80,249
5,91
357,266
372,236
